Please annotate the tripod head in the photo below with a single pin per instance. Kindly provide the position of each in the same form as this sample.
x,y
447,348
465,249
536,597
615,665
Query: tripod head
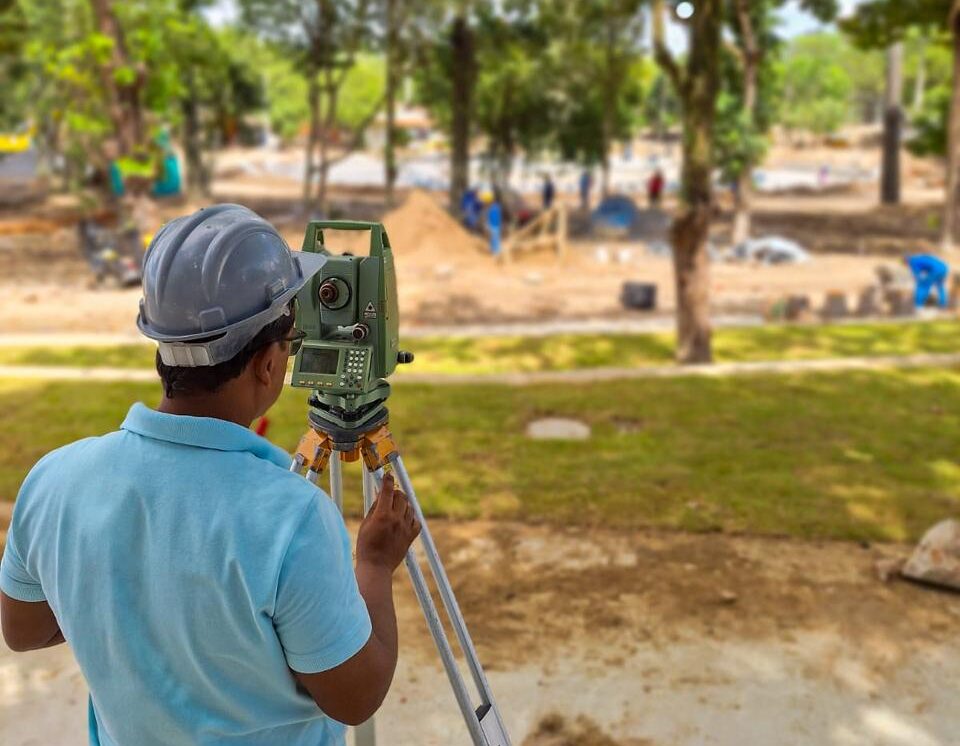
x,y
349,314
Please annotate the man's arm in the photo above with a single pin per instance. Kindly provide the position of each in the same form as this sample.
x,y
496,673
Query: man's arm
x,y
28,625
354,690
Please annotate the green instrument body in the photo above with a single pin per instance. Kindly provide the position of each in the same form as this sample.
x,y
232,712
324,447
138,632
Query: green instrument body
x,y
349,314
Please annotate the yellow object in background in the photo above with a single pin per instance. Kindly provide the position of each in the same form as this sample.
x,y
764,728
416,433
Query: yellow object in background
x,y
16,142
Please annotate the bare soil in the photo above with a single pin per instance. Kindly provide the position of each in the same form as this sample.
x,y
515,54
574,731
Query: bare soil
x,y
446,276
596,637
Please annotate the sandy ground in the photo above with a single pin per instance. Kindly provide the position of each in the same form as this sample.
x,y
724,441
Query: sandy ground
x,y
604,638
50,291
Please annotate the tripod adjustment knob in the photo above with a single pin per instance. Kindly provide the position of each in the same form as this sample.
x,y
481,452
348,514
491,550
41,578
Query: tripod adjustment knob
x,y
404,358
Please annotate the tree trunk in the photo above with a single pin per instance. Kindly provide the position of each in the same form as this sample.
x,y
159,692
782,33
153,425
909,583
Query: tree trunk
x,y
691,225
920,82
464,76
123,101
198,178
751,64
313,99
892,126
948,236
609,103
329,125
389,145
744,195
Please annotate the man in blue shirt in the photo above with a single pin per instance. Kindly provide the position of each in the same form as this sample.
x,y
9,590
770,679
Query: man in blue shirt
x,y
208,593
928,272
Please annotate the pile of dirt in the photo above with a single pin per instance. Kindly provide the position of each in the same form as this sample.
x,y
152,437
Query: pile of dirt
x,y
555,730
421,227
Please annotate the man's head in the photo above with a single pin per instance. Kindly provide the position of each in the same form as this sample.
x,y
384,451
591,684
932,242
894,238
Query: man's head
x,y
252,379
218,293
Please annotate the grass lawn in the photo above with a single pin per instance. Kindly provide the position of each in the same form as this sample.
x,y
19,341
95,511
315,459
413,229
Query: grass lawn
x,y
866,455
571,351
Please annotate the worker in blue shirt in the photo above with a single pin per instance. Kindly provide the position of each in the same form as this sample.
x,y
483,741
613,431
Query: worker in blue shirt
x,y
494,220
470,208
208,593
929,272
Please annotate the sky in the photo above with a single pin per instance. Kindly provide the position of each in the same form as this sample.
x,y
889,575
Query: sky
x,y
795,22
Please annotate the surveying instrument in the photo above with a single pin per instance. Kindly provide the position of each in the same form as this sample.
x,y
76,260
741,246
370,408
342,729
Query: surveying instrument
x,y
349,314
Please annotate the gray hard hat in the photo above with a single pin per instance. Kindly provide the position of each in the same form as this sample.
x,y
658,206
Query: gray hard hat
x,y
213,280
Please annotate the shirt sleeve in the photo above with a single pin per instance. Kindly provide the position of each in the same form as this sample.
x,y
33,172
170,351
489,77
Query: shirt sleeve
x,y
15,580
320,616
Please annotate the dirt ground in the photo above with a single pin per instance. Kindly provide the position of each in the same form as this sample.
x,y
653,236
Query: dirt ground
x,y
597,637
446,277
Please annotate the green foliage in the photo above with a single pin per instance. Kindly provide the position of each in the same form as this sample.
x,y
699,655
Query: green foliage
x,y
562,76
362,90
173,55
818,83
930,124
878,23
739,143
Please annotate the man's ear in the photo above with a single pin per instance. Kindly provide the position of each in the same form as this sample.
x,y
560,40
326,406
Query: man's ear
x,y
263,363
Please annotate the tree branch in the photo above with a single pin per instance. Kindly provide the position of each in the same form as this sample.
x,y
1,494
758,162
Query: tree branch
x,y
661,53
358,132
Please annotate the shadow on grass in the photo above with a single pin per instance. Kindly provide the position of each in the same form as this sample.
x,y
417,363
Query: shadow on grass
x,y
866,455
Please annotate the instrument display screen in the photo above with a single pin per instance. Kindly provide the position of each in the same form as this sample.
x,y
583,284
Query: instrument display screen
x,y
320,361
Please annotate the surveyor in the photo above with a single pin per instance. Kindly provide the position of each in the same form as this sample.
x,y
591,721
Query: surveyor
x,y
207,592
929,272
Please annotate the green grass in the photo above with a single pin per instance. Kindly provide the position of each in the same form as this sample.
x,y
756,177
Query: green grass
x,y
866,455
571,351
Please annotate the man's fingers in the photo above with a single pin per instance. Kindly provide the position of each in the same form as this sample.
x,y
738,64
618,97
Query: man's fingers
x,y
386,491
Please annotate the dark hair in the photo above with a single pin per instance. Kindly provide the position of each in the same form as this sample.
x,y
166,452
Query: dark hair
x,y
209,378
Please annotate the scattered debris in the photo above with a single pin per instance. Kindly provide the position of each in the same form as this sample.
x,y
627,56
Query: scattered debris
x,y
936,559
728,597
835,305
615,216
868,303
558,428
556,730
768,250
887,568
639,295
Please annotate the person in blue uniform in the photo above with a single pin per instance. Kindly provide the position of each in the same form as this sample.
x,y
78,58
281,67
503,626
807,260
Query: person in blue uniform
x,y
929,272
494,218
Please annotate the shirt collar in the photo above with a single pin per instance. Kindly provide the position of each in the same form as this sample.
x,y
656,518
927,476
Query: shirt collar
x,y
201,432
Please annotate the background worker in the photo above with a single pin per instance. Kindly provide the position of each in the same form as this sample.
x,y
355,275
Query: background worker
x,y
207,592
548,192
929,272
655,188
494,219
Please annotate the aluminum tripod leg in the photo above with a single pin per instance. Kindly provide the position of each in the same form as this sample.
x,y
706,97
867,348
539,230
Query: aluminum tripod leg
x,y
484,724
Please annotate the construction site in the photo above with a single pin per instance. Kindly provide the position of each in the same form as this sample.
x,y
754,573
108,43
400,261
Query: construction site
x,y
647,549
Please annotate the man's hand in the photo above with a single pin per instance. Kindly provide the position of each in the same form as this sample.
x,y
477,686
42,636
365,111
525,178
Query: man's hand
x,y
354,690
388,530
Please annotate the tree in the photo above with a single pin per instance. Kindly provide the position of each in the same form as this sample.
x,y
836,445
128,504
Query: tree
x,y
326,36
599,98
879,23
463,74
697,84
892,125
743,140
817,87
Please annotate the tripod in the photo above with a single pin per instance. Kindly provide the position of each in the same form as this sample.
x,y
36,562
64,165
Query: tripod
x,y
327,444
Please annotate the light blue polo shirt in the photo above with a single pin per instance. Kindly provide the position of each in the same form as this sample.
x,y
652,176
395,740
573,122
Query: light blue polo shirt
x,y
189,571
